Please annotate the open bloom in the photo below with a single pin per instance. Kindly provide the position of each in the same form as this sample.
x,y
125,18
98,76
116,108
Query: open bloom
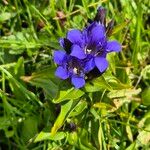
x,y
91,44
71,67
86,50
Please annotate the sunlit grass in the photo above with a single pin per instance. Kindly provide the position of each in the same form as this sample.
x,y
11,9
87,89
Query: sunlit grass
x,y
38,111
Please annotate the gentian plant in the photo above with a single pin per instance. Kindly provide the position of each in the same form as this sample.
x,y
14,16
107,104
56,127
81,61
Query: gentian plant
x,y
85,50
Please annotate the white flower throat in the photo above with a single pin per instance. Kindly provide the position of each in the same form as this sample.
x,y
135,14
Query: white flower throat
x,y
75,70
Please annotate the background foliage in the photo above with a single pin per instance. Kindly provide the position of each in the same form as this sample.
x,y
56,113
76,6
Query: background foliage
x,y
39,111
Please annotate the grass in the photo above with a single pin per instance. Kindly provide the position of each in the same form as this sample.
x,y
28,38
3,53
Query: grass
x,y
38,111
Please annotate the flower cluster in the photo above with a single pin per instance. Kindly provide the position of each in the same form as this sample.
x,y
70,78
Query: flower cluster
x,y
85,50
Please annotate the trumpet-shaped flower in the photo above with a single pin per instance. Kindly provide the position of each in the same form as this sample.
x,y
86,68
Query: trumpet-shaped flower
x,y
85,50
91,44
71,67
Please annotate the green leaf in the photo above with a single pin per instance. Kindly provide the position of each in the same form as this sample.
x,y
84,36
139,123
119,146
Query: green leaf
x,y
9,133
67,95
6,16
97,85
10,109
102,105
47,72
146,96
129,133
79,108
112,62
123,93
19,67
45,79
144,136
146,72
29,128
5,122
62,117
50,88
47,136
120,27
114,82
18,89
132,146
84,142
72,138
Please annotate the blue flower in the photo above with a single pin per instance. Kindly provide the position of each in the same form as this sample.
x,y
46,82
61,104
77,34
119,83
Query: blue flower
x,y
97,46
91,44
86,50
100,18
71,67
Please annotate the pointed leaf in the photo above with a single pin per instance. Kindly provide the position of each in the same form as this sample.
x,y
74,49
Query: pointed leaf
x,y
67,95
47,136
120,27
62,117
97,85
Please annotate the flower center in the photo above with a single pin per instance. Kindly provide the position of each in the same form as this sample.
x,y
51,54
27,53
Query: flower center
x,y
99,52
75,70
75,66
87,50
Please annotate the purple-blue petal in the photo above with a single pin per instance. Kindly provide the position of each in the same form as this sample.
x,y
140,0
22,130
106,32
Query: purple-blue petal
x,y
78,52
61,73
113,46
101,63
59,57
61,42
75,36
78,82
97,33
89,65
85,35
